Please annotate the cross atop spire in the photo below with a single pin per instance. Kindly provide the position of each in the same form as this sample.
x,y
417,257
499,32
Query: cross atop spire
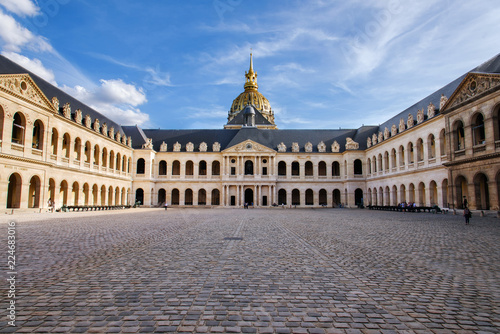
x,y
251,77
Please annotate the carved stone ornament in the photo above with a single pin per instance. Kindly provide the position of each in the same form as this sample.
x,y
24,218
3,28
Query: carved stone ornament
x,y
374,139
410,122
351,144
118,136
474,86
295,147
96,125
380,136
216,147
104,129
431,110
163,147
78,116
148,145
442,102
321,147
394,130
308,147
124,140
129,141
88,121
402,125
177,147
22,85
55,103
203,147
387,134
368,142
189,147
112,132
67,111
420,116
335,147
281,147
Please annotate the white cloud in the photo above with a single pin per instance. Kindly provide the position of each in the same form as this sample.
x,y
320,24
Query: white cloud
x,y
15,37
33,65
114,99
21,7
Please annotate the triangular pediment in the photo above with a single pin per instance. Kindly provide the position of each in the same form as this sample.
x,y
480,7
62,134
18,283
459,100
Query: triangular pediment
x,y
24,88
249,146
472,87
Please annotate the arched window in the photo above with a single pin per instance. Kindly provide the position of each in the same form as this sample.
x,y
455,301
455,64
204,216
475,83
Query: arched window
x,y
104,157
188,197
322,197
87,152
369,165
189,167
139,196
420,149
215,197
442,142
282,168
309,197
358,167
282,197
54,140
162,168
248,167
66,145
38,130
401,155
176,168
478,134
202,197
386,161
18,126
295,168
308,168
97,155
202,168
459,136
112,160
335,168
216,168
2,115
295,197
141,166
175,197
393,158
431,143
410,153
322,168
77,149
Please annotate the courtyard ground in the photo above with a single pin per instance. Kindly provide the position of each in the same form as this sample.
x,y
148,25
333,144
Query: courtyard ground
x,y
253,271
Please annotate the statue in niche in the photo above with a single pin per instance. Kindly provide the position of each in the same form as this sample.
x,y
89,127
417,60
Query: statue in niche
x,y
104,129
96,125
442,102
67,111
281,147
88,121
163,147
374,139
321,147
431,110
216,147
55,103
380,137
410,122
335,147
295,147
368,142
78,116
308,147
351,144
402,125
177,147
148,145
203,147
189,147
420,116
394,130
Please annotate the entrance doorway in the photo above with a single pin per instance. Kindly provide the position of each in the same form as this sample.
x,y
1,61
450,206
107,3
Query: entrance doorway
x,y
249,196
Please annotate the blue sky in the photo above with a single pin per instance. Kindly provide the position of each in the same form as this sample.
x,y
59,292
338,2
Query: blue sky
x,y
179,64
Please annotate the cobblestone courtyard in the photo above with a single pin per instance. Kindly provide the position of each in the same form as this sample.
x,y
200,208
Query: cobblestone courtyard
x,y
254,271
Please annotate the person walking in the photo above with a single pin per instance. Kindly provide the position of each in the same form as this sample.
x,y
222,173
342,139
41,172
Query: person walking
x,y
166,206
467,215
465,202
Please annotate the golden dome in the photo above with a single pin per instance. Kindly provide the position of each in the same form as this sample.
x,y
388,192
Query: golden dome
x,y
251,96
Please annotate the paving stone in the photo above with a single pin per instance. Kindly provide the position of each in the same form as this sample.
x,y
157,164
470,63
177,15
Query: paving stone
x,y
293,271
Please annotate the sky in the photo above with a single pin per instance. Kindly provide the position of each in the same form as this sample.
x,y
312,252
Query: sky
x,y
179,64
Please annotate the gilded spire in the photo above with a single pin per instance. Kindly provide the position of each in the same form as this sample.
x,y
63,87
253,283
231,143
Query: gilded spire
x,y
251,77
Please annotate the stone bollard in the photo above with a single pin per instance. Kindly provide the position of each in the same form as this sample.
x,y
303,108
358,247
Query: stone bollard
x,y
481,214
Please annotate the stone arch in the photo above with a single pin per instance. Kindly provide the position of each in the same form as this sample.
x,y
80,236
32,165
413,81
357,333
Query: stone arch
x,y
18,128
394,195
215,197
282,196
461,191
34,193
322,196
14,191
189,169
63,192
295,197
103,195
336,198
2,117
97,155
420,149
95,194
202,197
54,141
358,167
141,166
478,130
433,193
110,195
481,191
411,193
38,135
308,169
444,191
139,196
188,197
52,189
215,170
175,196
249,167
421,194
358,197
77,149
401,153
442,142
176,167
86,193
335,168
202,168
75,193
402,193
322,168
309,197
431,146
458,135
162,168
295,168
104,156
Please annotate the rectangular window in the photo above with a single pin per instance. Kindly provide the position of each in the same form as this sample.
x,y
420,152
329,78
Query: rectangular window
x,y
264,170
233,170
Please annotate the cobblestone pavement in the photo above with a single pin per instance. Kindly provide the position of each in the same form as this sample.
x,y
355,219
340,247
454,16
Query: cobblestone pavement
x,y
254,271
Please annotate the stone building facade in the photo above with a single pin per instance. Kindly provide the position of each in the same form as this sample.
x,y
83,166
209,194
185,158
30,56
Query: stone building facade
x,y
437,151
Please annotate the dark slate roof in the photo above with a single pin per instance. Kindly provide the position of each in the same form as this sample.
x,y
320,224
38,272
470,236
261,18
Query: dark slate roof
x,y
7,66
239,119
230,137
490,66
